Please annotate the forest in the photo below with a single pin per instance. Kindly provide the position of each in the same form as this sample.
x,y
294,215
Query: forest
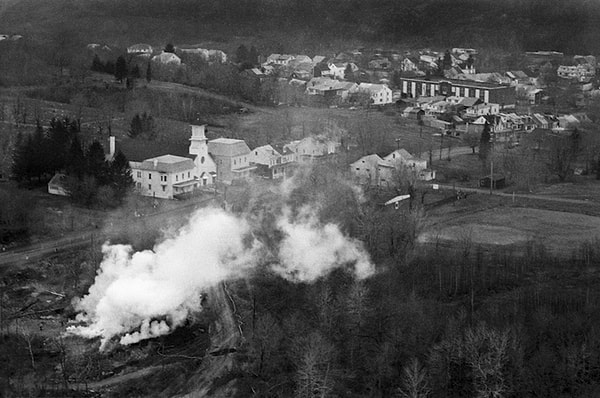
x,y
567,26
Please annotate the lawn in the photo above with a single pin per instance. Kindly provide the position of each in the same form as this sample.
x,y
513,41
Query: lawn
x,y
560,232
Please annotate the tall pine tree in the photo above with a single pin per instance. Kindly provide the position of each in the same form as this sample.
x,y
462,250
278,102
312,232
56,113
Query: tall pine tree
x,y
121,70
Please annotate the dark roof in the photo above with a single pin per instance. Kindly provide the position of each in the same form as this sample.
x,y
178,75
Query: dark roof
x,y
462,83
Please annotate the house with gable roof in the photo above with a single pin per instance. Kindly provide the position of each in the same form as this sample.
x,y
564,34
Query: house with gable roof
x,y
380,94
232,158
313,149
373,170
167,59
272,164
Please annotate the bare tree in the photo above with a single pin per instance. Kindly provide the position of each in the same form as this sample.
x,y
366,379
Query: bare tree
x,y
414,381
314,367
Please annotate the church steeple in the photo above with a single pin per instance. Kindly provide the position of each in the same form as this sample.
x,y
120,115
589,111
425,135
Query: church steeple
x,y
198,145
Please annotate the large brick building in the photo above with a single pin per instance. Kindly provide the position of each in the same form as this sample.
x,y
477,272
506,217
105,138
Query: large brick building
x,y
487,92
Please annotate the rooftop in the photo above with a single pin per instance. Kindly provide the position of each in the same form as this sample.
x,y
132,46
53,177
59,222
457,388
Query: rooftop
x,y
167,164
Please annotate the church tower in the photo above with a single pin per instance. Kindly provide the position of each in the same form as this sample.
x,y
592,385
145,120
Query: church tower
x,y
198,142
205,165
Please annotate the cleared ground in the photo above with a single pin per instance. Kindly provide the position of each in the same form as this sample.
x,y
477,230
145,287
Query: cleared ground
x,y
558,231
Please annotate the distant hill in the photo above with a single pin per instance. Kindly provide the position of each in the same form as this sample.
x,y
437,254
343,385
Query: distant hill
x,y
571,26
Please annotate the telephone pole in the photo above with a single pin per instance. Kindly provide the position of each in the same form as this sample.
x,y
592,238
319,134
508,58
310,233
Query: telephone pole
x,y
491,165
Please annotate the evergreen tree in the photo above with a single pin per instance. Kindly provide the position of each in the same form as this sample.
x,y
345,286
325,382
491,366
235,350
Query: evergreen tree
x,y
121,71
149,72
348,73
135,128
39,153
97,65
241,54
121,178
135,72
470,61
22,158
76,163
169,48
58,144
253,56
96,163
485,142
109,67
447,62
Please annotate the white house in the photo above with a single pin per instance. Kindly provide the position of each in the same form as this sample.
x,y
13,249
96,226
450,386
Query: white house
x,y
165,176
217,56
372,170
167,59
312,149
270,163
401,157
140,49
57,185
168,176
381,94
483,109
232,158
337,70
580,72
279,59
408,65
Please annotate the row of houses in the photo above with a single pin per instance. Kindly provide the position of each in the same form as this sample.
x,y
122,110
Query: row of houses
x,y
172,58
223,160
378,94
372,170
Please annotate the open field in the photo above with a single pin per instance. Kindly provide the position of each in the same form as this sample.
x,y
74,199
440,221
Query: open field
x,y
560,232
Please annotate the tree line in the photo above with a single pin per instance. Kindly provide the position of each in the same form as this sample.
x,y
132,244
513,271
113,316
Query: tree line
x,y
90,178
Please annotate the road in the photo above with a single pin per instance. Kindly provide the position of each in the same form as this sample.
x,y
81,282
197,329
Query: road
x,y
92,236
517,195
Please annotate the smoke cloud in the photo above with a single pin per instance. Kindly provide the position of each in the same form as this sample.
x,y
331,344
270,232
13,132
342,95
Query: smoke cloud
x,y
310,250
142,295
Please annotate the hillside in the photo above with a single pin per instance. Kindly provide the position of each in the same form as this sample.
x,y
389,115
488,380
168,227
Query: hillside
x,y
287,25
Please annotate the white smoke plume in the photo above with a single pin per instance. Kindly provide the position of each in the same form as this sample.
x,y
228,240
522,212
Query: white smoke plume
x,y
146,294
154,291
310,250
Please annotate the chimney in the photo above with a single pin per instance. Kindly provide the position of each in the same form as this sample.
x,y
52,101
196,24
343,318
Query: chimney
x,y
111,141
155,163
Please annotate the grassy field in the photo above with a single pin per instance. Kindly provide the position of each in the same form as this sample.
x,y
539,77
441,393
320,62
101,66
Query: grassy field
x,y
499,224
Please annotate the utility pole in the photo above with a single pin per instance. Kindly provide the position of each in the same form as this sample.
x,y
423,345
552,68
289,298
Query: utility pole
x,y
491,166
441,142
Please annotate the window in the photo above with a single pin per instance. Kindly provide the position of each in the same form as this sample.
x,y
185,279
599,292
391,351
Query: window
x,y
149,176
163,178
188,174
176,178
182,176
149,186
202,160
164,187
138,185
139,174
358,169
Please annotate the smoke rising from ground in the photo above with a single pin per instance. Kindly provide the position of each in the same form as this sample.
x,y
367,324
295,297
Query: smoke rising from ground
x,y
141,295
